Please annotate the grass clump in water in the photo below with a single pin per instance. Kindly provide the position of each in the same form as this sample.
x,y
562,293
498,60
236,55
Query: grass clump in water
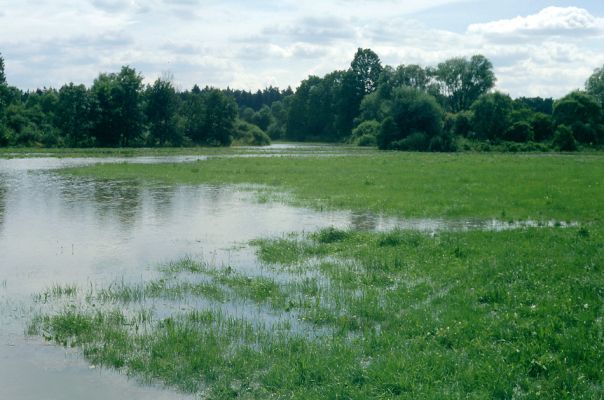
x,y
394,314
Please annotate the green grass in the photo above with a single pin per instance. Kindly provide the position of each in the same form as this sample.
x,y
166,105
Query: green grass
x,y
453,186
398,314
458,315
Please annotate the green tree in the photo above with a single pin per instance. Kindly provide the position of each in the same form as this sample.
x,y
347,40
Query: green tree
x,y
417,119
583,114
595,85
366,68
461,81
220,114
160,109
127,96
491,116
73,115
118,107
564,139
263,118
2,74
192,112
104,112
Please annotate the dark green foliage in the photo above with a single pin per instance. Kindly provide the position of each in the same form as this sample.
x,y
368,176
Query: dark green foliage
x,y
520,132
118,111
263,118
462,81
564,139
255,101
595,85
543,128
366,133
416,119
160,109
491,115
249,134
462,123
366,68
209,117
537,104
2,73
582,113
73,115
117,108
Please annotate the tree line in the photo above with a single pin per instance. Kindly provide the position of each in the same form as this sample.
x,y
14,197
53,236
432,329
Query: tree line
x,y
409,107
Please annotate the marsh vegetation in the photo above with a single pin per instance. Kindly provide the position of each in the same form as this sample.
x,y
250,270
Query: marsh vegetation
x,y
349,313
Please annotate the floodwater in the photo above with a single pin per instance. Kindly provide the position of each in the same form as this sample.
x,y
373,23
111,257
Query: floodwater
x,y
56,229
63,230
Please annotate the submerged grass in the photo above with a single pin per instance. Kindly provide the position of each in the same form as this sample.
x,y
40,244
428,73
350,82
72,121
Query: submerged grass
x,y
506,187
515,314
398,314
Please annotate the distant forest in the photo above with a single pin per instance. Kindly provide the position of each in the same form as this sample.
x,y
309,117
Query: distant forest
x,y
409,107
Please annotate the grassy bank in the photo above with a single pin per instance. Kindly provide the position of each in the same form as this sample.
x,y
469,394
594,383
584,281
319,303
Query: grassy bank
x,y
499,186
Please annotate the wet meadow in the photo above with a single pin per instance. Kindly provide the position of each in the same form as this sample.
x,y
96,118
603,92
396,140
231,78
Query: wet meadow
x,y
381,275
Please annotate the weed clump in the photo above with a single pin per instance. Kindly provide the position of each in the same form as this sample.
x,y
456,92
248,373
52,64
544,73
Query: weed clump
x,y
331,235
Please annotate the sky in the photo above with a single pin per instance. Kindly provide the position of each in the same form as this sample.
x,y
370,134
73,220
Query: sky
x,y
538,48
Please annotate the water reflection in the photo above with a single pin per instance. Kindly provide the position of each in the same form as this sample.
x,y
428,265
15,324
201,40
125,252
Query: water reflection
x,y
3,193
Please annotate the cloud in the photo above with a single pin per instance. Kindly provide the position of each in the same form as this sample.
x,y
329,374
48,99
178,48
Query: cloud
x,y
549,21
251,43
312,30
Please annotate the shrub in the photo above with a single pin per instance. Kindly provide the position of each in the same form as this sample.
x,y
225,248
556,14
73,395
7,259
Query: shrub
x,y
520,132
250,135
564,139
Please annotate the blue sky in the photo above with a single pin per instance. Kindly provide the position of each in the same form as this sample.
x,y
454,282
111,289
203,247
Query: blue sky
x,y
544,48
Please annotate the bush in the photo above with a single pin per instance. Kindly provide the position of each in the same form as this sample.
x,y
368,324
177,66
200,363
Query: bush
x,y
491,115
543,128
520,132
442,143
276,131
250,135
367,141
462,125
417,141
415,118
366,133
564,139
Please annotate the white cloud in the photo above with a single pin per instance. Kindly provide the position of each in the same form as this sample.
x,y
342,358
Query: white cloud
x,y
252,43
549,21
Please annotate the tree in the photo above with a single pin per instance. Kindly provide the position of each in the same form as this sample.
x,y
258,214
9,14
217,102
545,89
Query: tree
x,y
193,115
564,139
118,107
462,81
73,114
220,114
582,113
595,85
263,118
366,68
2,74
416,118
161,106
104,113
127,96
491,115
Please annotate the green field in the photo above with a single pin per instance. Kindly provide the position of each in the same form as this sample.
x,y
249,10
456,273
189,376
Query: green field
x,y
398,314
